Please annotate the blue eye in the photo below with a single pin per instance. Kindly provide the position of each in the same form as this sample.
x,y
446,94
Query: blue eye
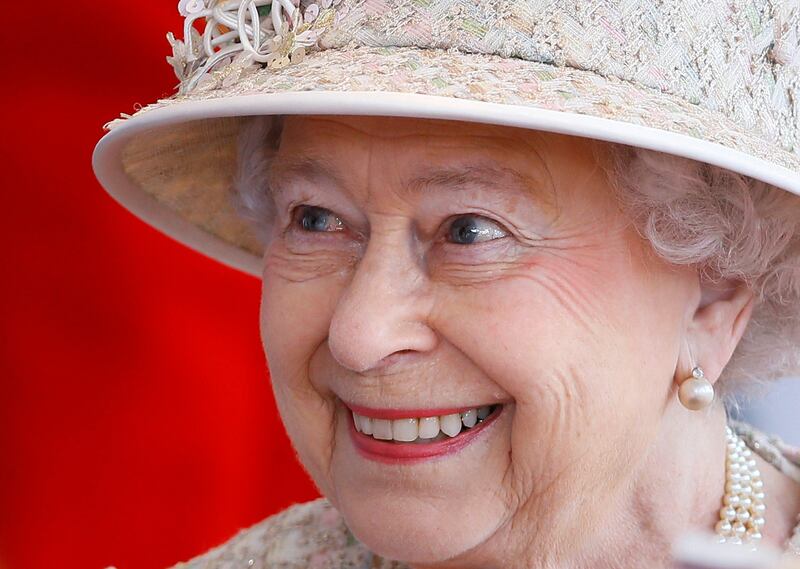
x,y
469,229
318,219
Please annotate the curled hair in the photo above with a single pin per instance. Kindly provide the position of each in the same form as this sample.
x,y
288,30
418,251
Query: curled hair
x,y
728,226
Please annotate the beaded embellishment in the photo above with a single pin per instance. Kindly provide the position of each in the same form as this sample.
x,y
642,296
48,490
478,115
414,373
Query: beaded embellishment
x,y
742,512
783,457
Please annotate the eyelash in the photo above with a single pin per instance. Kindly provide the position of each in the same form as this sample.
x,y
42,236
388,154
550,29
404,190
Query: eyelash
x,y
297,212
297,218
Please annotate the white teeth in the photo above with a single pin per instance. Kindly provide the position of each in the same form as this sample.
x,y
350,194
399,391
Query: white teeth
x,y
382,429
469,418
420,429
366,425
405,430
450,424
428,427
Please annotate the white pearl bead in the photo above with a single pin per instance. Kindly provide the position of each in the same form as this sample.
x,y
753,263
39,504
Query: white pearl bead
x,y
741,517
731,500
696,394
733,487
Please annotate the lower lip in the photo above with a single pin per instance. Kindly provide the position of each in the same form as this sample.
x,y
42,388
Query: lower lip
x,y
408,453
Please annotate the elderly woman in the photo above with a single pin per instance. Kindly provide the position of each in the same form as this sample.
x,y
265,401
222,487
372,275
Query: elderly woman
x,y
517,257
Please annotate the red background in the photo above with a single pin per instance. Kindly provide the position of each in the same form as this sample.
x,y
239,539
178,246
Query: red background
x,y
137,425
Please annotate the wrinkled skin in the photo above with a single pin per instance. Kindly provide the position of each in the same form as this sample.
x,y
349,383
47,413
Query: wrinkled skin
x,y
559,311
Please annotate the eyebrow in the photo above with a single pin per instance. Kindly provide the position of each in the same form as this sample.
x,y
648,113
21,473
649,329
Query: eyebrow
x,y
451,178
456,178
285,169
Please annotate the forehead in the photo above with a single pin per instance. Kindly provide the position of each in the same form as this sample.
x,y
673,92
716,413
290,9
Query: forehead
x,y
401,146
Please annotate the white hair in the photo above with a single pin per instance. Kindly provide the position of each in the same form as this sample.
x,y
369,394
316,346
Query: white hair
x,y
727,225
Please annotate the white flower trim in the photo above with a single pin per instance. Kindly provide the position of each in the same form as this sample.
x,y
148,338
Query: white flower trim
x,y
239,38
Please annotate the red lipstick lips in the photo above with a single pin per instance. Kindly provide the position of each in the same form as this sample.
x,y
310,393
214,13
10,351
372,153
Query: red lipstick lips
x,y
392,414
395,452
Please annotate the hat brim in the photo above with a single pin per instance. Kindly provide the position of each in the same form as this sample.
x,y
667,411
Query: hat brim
x,y
172,163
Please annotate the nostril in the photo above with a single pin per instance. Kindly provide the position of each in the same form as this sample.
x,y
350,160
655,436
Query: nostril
x,y
396,358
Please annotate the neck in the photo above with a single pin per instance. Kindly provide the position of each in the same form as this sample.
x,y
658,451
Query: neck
x,y
676,487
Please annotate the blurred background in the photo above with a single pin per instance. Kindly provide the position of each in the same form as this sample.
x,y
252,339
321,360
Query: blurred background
x,y
777,411
137,425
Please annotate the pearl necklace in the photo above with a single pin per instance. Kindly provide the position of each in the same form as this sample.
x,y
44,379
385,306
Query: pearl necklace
x,y
741,517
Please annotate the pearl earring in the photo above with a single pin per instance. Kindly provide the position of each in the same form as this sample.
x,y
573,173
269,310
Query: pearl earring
x,y
696,392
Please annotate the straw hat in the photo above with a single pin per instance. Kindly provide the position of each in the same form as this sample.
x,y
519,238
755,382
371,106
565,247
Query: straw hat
x,y
713,80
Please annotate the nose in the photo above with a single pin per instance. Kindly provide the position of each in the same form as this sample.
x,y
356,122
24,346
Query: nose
x,y
382,312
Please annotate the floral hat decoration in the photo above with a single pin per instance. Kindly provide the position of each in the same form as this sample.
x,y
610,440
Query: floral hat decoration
x,y
713,80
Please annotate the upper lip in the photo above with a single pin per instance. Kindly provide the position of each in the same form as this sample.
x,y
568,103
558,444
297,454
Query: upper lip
x,y
408,412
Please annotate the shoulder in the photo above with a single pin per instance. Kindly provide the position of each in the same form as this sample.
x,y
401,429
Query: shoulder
x,y
310,535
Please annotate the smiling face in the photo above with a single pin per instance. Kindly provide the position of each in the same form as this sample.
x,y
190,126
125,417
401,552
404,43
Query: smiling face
x,y
418,269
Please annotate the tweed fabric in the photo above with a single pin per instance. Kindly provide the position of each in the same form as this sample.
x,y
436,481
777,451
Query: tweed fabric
x,y
311,535
723,71
717,54
739,58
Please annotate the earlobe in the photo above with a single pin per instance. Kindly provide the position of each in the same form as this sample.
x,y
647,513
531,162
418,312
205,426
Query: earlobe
x,y
715,329
719,323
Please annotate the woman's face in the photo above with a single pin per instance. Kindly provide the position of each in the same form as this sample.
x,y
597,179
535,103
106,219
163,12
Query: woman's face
x,y
419,269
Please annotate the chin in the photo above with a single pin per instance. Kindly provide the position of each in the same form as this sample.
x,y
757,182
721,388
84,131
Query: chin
x,y
425,511
406,529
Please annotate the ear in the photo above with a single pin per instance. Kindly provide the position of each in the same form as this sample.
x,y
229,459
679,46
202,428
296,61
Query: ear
x,y
715,327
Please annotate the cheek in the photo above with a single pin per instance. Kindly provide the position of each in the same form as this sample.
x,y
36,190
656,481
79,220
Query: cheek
x,y
294,318
299,294
572,342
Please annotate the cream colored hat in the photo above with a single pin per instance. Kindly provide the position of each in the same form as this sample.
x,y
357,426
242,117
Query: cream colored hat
x,y
713,80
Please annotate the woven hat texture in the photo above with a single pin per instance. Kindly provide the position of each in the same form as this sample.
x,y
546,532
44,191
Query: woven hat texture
x,y
722,71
